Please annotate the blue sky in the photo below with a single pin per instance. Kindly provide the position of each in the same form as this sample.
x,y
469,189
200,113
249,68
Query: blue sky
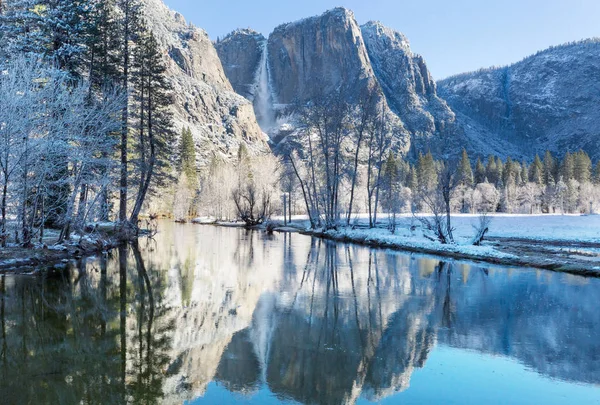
x,y
453,36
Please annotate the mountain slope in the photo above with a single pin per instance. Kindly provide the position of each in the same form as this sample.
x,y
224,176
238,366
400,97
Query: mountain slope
x,y
406,81
548,101
204,99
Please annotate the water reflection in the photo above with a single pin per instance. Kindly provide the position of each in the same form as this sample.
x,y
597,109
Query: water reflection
x,y
298,318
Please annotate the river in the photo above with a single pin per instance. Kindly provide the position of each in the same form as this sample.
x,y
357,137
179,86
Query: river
x,y
210,315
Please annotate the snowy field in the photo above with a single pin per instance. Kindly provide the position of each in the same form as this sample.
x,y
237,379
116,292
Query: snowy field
x,y
579,228
543,227
576,228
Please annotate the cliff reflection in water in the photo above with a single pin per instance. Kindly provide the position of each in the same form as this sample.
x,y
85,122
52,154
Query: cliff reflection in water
x,y
313,321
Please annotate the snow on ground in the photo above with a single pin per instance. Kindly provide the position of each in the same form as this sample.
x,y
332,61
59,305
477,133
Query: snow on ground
x,y
416,241
575,228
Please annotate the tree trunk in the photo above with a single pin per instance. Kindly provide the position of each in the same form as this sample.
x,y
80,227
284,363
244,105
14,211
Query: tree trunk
x,y
353,183
125,123
4,236
150,170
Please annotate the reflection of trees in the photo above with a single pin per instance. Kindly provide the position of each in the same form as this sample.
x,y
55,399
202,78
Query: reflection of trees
x,y
314,321
344,330
66,337
550,325
149,354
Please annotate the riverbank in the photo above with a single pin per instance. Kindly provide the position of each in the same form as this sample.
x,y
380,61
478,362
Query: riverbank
x,y
573,259
51,254
564,243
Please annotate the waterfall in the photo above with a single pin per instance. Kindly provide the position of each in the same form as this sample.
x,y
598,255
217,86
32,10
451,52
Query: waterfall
x,y
262,98
261,332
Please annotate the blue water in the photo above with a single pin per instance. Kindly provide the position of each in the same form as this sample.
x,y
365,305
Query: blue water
x,y
206,315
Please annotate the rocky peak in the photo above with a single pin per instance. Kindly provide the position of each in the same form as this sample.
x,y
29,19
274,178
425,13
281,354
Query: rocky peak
x,y
240,53
406,81
331,54
548,101
317,55
375,30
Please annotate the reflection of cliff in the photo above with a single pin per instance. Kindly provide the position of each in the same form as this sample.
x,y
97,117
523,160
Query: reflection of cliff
x,y
550,324
211,293
350,321
308,320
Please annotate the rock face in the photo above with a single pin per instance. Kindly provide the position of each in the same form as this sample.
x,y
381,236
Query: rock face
x,y
330,54
204,99
316,56
547,101
406,81
241,53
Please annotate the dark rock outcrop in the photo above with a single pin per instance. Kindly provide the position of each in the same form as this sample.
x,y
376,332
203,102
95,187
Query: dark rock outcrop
x,y
317,56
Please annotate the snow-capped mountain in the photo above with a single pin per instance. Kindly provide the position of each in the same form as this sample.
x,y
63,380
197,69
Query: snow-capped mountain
x,y
316,56
204,99
548,101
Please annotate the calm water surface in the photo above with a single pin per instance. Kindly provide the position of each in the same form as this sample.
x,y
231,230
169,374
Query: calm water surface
x,y
205,315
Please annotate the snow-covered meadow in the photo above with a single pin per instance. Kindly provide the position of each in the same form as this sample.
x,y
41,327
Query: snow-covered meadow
x,y
543,227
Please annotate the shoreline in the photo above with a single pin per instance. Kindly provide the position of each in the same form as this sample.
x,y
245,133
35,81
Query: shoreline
x,y
448,252
503,251
47,256
30,260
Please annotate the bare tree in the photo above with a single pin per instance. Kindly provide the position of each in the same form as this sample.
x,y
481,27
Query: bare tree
x,y
257,189
327,127
366,111
481,229
438,201
379,143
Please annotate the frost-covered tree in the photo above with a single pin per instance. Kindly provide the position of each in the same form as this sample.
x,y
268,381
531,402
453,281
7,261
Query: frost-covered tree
x,y
47,122
258,187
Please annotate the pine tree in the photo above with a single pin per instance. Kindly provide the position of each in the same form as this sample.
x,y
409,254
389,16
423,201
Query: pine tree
x,y
480,172
102,43
412,180
509,171
465,172
54,29
499,173
491,170
582,167
390,182
524,173
156,122
62,33
20,27
549,169
187,157
536,171
426,172
403,170
596,178
129,32
567,167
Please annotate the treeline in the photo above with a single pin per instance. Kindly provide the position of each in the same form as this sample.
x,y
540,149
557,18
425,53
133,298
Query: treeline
x,y
348,159
570,184
85,117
